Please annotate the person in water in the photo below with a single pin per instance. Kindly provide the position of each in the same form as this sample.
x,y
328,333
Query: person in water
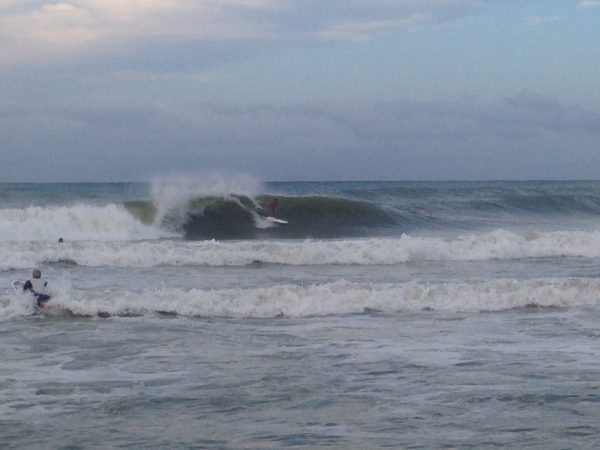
x,y
273,207
38,287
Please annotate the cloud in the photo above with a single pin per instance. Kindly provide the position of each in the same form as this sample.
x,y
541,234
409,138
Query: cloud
x,y
61,28
73,28
36,31
590,3
362,30
524,136
540,20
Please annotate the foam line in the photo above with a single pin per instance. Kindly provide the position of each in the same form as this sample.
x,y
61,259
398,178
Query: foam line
x,y
498,245
338,298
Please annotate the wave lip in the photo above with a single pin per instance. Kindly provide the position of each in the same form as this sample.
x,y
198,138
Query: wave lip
x,y
338,298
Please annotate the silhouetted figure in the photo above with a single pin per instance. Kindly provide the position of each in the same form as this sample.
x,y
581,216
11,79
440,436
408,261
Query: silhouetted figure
x,y
273,207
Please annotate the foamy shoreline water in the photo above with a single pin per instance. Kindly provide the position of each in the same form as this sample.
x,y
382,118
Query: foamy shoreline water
x,y
425,379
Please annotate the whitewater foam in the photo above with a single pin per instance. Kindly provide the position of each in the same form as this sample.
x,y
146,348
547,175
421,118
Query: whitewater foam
x,y
74,222
338,298
15,305
499,245
171,195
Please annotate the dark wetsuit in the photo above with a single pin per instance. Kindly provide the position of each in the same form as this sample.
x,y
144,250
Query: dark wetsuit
x,y
41,299
274,207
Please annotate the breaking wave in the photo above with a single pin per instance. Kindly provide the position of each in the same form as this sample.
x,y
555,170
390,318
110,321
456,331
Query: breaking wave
x,y
233,209
200,218
75,222
242,217
498,245
338,298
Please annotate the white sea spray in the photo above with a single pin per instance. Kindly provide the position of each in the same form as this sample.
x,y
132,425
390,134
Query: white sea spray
x,y
73,222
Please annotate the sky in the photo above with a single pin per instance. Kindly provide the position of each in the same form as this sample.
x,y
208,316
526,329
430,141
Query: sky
x,y
128,90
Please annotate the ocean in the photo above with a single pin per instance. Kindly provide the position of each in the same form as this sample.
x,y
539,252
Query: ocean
x,y
383,315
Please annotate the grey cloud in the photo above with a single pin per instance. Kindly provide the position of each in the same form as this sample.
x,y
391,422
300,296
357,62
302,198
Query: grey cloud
x,y
196,35
525,136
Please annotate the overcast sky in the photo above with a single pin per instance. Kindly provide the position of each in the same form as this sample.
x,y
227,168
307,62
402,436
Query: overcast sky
x,y
119,90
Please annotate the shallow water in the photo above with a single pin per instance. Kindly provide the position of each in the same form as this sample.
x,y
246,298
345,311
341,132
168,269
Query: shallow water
x,y
524,378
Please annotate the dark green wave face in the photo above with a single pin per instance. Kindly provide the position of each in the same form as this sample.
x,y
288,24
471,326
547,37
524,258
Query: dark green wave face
x,y
220,220
144,211
329,217
236,217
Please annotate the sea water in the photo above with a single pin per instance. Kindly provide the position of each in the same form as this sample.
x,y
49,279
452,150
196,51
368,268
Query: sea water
x,y
385,314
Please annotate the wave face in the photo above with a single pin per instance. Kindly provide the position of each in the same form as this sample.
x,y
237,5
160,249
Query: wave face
x,y
308,217
242,217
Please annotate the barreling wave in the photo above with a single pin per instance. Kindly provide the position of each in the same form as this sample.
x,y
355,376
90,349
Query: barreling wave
x,y
347,210
242,217
498,245
338,298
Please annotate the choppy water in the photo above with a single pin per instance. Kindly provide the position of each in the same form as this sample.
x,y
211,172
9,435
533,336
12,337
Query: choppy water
x,y
402,315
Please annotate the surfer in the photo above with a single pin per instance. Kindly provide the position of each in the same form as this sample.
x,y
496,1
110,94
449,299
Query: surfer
x,y
38,287
273,207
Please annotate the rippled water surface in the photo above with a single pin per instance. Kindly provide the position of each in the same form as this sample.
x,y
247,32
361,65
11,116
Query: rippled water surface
x,y
421,380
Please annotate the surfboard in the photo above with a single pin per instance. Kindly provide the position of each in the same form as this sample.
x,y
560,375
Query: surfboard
x,y
17,286
276,220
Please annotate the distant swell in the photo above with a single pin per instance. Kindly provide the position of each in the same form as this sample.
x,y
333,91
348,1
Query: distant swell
x,y
453,201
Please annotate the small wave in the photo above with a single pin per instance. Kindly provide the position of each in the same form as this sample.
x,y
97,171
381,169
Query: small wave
x,y
339,298
498,245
